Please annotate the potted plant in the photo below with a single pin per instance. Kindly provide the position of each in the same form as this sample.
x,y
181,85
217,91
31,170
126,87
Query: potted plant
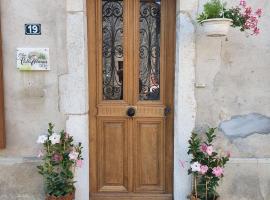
x,y
60,158
206,166
216,19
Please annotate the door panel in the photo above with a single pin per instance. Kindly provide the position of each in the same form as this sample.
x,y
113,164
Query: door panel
x,y
131,61
149,155
112,162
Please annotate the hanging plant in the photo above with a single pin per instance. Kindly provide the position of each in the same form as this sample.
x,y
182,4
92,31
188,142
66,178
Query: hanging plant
x,y
217,19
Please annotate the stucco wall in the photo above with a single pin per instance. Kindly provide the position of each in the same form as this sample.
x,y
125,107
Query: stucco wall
x,y
32,99
236,98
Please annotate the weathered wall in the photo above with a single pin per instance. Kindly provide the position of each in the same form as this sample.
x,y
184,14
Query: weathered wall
x,y
32,99
235,71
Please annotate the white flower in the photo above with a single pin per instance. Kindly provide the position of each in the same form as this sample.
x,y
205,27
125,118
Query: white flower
x,y
195,167
55,138
42,139
73,155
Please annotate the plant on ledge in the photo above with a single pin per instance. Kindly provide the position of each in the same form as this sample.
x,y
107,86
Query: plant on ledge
x,y
206,166
60,158
217,19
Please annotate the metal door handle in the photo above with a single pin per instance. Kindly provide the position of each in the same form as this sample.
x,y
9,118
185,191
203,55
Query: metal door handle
x,y
131,111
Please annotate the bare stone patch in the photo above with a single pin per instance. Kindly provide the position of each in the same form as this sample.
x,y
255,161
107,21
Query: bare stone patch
x,y
245,125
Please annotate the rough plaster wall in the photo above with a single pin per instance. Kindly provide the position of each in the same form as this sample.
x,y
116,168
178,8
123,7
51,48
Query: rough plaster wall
x,y
236,99
31,98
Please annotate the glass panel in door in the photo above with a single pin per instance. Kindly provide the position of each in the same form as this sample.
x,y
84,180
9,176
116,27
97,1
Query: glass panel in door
x,y
149,81
112,31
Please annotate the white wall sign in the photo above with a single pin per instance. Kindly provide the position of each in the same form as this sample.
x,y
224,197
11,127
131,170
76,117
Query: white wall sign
x,y
33,59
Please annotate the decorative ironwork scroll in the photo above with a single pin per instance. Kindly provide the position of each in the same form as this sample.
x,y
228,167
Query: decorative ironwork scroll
x,y
112,28
149,82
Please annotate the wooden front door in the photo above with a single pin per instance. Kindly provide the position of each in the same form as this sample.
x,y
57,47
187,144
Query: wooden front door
x,y
131,84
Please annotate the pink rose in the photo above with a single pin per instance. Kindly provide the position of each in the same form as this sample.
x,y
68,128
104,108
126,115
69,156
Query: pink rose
x,y
204,169
209,150
256,31
203,148
79,163
217,171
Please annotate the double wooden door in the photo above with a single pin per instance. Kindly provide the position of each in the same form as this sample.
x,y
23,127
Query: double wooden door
x,y
131,83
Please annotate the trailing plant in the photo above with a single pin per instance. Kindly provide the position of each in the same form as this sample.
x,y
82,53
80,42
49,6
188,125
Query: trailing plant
x,y
206,166
60,158
242,15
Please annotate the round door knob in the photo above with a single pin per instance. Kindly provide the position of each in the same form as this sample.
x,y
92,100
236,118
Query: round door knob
x,y
131,112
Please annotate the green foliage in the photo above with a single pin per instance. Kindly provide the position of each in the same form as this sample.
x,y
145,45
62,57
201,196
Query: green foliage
x,y
57,167
238,18
212,9
206,183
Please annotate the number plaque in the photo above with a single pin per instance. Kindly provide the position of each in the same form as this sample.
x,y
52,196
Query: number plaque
x,y
32,29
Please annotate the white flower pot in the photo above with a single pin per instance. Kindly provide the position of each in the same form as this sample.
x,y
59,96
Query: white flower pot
x,y
217,27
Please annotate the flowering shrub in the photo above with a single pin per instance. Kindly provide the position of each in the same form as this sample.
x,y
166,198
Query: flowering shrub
x,y
60,157
206,166
242,15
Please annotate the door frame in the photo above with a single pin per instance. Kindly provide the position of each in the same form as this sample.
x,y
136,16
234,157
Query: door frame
x,y
91,12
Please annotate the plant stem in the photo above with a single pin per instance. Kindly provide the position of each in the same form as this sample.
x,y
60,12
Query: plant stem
x,y
195,185
206,190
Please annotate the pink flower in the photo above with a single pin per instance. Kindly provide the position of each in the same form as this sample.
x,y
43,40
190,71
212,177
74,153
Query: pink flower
x,y
79,163
256,31
243,3
73,155
209,150
66,136
203,148
182,163
259,12
217,171
40,154
57,157
228,154
248,11
204,169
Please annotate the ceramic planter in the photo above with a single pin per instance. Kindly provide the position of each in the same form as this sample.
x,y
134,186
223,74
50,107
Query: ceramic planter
x,y
70,196
217,27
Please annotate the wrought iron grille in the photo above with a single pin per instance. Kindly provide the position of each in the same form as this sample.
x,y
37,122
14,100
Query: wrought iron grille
x,y
149,82
112,28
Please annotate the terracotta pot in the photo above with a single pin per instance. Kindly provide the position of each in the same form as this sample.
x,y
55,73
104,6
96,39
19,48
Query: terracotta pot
x,y
194,198
217,27
70,196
